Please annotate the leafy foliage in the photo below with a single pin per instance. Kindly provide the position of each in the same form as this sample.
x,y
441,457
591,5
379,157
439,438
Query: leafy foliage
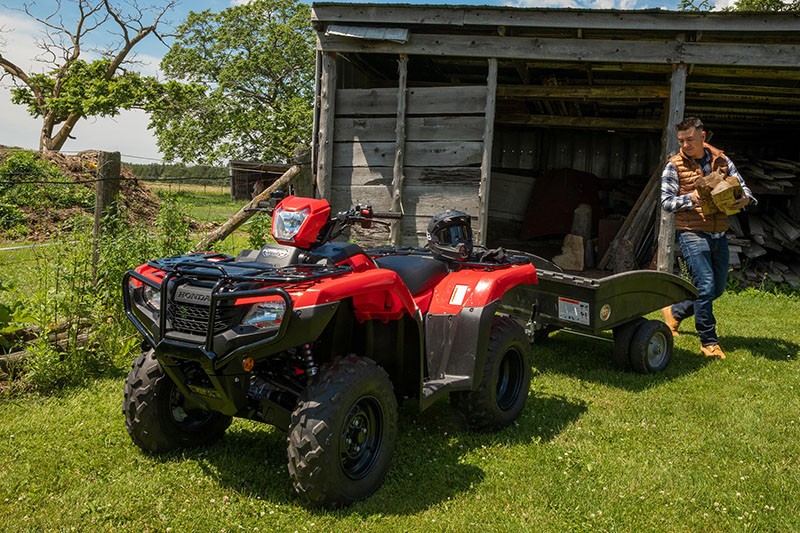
x,y
240,84
84,91
766,5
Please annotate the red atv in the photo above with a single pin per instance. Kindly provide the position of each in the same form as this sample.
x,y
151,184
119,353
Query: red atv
x,y
321,338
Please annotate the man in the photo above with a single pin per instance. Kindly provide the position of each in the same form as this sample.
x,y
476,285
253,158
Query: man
x,y
701,235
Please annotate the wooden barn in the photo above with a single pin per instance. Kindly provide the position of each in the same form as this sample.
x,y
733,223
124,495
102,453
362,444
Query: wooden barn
x,y
517,115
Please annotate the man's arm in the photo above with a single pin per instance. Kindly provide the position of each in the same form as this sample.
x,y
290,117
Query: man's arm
x,y
670,186
747,197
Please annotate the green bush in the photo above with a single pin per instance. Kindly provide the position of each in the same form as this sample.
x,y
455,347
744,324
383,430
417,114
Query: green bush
x,y
80,298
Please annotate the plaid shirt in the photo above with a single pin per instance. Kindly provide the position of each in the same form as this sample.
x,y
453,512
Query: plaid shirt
x,y
670,186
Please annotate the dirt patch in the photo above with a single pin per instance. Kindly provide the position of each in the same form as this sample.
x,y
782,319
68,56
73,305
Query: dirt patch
x,y
137,203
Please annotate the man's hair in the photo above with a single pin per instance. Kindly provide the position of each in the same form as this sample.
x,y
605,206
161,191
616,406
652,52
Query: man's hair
x,y
690,122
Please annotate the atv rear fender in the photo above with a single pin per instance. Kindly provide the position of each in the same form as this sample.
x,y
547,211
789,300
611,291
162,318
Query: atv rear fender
x,y
458,324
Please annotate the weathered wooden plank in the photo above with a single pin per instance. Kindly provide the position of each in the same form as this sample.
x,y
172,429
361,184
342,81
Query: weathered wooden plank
x,y
456,100
487,46
599,50
740,54
433,128
486,158
510,196
581,122
418,154
572,92
665,256
415,176
398,177
326,122
420,204
418,201
553,18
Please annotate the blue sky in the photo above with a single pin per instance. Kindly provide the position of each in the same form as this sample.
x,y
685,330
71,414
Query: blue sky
x,y
128,133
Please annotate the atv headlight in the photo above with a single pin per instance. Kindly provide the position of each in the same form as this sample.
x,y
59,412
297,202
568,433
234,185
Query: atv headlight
x,y
287,223
152,296
266,315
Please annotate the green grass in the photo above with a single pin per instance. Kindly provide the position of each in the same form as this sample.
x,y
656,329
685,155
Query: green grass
x,y
703,446
203,203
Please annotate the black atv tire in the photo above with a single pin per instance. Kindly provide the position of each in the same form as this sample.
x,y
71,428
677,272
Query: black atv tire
x,y
651,347
154,411
501,395
622,342
343,433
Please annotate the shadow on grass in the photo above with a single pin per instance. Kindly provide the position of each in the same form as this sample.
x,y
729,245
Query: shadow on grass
x,y
430,463
766,347
591,360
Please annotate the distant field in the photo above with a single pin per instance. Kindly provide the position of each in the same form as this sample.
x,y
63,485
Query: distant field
x,y
204,203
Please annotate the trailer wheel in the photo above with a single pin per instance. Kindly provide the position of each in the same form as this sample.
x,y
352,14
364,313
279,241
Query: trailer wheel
x,y
622,342
651,347
158,417
343,432
501,395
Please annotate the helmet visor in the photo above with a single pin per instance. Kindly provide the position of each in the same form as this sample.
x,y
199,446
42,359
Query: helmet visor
x,y
453,235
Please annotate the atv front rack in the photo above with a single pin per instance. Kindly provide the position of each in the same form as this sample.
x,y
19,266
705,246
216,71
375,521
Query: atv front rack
x,y
246,271
223,281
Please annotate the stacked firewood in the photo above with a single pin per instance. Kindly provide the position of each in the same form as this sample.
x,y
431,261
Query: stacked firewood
x,y
765,239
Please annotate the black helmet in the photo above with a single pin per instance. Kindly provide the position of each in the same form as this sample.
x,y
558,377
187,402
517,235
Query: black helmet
x,y
450,236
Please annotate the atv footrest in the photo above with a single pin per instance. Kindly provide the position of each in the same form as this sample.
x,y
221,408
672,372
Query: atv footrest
x,y
449,383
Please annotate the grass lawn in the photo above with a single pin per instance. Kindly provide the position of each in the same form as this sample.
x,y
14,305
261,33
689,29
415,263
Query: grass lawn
x,y
703,446
204,203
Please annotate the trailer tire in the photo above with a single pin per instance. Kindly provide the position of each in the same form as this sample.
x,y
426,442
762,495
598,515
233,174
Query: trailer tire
x,y
503,391
622,342
155,414
343,433
651,347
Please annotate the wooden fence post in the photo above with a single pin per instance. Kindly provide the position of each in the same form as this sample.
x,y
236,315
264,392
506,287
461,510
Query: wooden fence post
x,y
105,197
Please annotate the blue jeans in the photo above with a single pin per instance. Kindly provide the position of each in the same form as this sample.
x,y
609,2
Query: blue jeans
x,y
707,259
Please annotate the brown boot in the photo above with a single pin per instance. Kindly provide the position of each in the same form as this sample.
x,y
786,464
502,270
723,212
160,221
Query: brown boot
x,y
713,350
670,321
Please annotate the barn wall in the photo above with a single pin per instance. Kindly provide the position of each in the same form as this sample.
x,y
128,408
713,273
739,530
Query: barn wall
x,y
443,147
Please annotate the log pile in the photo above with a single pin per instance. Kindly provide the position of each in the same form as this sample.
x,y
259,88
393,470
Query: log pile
x,y
765,239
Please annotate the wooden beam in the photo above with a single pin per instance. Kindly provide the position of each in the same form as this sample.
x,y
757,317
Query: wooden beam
x,y
596,50
487,46
571,92
400,141
327,105
596,123
741,54
554,18
675,112
486,158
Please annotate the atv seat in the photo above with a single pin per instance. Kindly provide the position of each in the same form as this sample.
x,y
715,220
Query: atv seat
x,y
418,273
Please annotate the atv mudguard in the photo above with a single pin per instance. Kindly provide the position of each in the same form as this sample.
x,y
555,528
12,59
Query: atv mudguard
x,y
458,324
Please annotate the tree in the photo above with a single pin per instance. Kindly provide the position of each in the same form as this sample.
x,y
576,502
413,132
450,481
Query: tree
x,y
766,5
73,88
240,84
